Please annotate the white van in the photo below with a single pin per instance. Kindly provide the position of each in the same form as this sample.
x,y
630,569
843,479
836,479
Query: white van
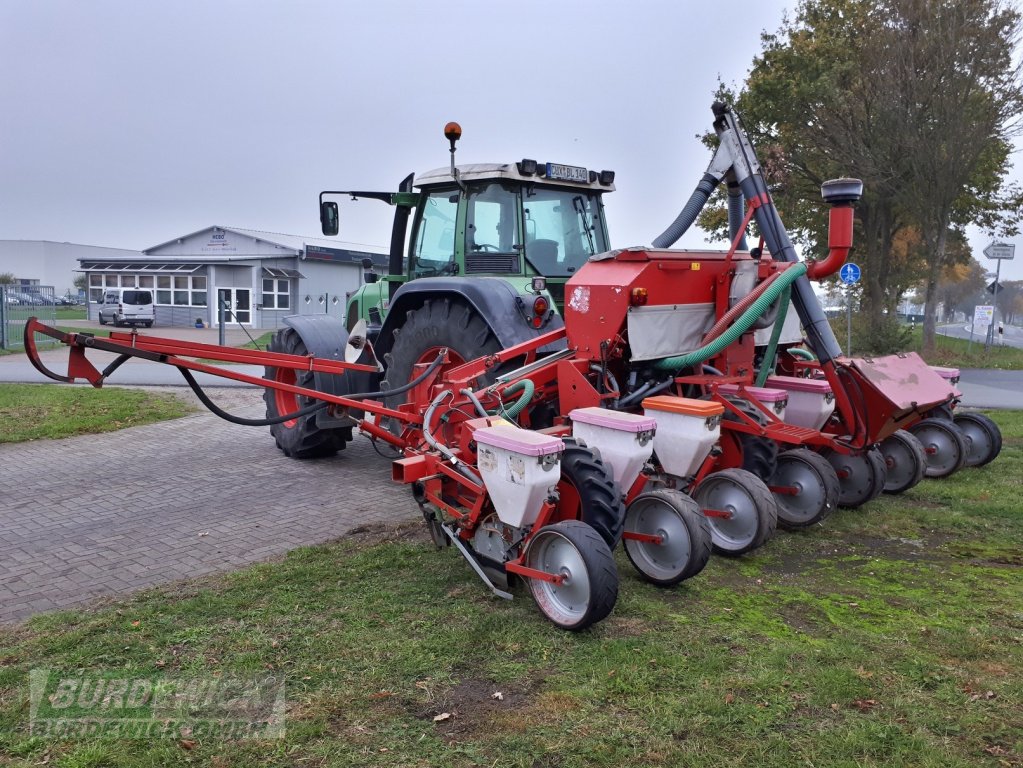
x,y
127,306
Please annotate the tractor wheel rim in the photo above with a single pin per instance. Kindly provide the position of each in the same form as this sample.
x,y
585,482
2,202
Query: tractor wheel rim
x,y
656,517
286,402
810,498
430,354
740,529
553,553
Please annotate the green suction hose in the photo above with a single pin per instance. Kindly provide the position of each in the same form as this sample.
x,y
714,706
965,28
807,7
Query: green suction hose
x,y
742,324
767,364
516,408
802,354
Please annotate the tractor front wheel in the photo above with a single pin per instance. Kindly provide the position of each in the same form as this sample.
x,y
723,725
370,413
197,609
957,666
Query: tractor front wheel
x,y
588,590
299,438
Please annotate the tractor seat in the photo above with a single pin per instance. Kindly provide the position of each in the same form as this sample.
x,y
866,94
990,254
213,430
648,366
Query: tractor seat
x,y
543,254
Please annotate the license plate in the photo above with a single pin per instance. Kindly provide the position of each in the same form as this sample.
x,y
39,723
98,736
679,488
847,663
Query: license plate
x,y
567,173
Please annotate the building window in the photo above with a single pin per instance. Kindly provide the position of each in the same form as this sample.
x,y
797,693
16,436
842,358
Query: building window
x,y
276,293
179,290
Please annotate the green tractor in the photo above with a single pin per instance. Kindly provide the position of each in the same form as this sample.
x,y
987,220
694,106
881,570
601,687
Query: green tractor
x,y
483,268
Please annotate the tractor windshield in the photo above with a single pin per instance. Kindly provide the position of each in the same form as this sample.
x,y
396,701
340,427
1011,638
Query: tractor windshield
x,y
563,229
433,252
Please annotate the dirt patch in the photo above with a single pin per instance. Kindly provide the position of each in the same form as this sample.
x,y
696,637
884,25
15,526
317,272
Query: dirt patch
x,y
806,619
471,705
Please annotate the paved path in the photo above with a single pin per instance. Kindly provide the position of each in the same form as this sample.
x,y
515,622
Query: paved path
x,y
107,514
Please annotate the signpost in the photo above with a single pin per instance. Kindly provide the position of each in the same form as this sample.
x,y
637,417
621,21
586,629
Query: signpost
x,y
850,274
983,316
1000,252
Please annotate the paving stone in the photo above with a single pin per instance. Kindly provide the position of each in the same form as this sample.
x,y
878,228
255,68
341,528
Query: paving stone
x,y
106,521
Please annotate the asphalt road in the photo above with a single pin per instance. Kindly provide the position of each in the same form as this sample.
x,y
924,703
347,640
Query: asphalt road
x,y
1012,335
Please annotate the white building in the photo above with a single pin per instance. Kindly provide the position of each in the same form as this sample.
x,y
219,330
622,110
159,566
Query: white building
x,y
260,276
41,262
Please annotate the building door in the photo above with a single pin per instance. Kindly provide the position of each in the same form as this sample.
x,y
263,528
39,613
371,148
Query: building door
x,y
237,304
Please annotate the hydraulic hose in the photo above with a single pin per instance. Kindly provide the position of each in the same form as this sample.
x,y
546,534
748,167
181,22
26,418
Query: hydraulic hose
x,y
767,364
690,211
218,411
741,325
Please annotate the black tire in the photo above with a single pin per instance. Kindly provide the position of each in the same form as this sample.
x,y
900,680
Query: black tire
x,y
817,488
587,485
443,322
759,454
861,476
759,511
686,533
905,461
591,590
299,438
101,320
149,324
984,435
945,446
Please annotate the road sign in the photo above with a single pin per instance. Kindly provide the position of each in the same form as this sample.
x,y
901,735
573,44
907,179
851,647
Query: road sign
x,y
984,315
995,287
1000,251
850,273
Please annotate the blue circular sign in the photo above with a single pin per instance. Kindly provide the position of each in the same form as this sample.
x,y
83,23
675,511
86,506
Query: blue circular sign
x,y
850,273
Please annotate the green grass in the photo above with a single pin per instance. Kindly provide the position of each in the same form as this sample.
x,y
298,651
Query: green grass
x,y
961,353
890,636
37,411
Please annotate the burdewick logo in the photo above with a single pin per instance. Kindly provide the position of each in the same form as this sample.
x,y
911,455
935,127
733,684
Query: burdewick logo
x,y
121,705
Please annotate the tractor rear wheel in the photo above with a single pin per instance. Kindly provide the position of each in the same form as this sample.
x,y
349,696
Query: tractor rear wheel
x,y
298,438
440,323
904,461
685,535
985,438
809,488
945,446
588,493
576,552
750,509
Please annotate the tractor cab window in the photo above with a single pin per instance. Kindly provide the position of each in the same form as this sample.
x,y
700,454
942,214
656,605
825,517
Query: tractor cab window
x,y
433,252
563,229
492,221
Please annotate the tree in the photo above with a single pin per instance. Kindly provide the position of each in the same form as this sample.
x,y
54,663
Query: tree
x,y
888,90
960,287
7,278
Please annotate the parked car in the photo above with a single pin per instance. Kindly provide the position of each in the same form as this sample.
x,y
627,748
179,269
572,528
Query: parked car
x,y
127,306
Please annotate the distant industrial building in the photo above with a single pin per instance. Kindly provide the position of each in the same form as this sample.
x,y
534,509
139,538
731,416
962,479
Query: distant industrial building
x,y
36,263
259,276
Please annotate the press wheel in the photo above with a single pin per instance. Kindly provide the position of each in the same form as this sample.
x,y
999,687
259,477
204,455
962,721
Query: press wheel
x,y
741,510
685,536
805,487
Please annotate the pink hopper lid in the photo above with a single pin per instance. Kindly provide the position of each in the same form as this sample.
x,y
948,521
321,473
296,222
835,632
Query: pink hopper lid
x,y
945,373
522,441
763,394
623,422
799,384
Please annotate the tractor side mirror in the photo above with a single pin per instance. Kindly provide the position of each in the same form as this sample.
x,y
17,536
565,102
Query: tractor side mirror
x,y
369,275
329,221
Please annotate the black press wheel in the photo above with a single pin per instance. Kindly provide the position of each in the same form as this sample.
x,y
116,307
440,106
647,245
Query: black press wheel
x,y
685,537
574,551
985,438
298,438
806,488
750,511
905,461
440,323
588,493
944,444
861,476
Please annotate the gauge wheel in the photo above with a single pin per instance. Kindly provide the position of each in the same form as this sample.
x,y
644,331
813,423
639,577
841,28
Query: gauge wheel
x,y
685,533
984,435
578,553
945,445
752,513
905,461
861,476
807,488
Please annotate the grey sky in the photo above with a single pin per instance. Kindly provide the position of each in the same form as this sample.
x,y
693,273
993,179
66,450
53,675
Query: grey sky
x,y
127,123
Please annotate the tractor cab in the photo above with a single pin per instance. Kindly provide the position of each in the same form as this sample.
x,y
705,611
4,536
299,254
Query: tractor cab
x,y
507,220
